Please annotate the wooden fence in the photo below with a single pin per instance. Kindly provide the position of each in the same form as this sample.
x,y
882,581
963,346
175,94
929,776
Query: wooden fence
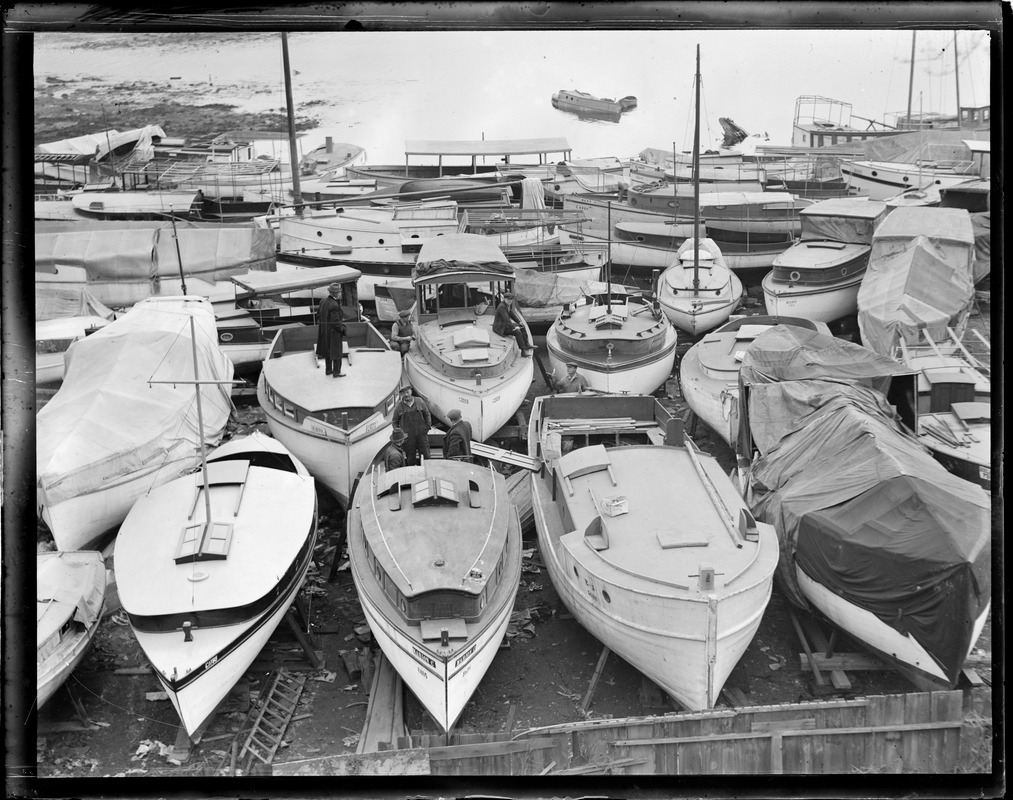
x,y
937,732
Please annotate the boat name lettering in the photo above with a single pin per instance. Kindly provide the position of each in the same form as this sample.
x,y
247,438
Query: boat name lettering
x,y
464,400
419,654
211,663
461,658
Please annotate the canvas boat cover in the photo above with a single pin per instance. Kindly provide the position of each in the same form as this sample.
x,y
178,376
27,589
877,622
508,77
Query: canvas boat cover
x,y
982,225
535,289
843,219
462,252
67,586
107,424
863,509
920,276
68,300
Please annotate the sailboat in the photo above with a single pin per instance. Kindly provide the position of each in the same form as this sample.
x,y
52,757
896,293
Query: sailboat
x,y
695,296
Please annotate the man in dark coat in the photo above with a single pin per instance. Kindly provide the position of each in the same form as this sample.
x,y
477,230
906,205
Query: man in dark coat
x,y
504,324
394,456
457,439
331,331
402,332
411,414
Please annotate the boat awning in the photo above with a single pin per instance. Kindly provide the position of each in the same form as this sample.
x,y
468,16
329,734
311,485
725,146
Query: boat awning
x,y
487,147
461,253
62,158
259,282
976,146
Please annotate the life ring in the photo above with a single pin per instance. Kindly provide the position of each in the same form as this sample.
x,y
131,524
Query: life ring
x,y
794,275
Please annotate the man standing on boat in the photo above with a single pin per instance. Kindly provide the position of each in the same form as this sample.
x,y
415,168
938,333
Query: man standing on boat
x,y
457,439
573,381
331,331
411,415
394,456
505,324
402,332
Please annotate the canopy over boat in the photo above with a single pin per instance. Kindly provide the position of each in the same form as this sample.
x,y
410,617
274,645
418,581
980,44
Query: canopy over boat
x,y
262,283
843,219
920,276
67,588
465,256
893,533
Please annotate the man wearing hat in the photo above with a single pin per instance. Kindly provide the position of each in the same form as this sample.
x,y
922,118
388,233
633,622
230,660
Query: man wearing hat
x,y
394,456
573,381
411,415
505,324
402,332
331,331
457,439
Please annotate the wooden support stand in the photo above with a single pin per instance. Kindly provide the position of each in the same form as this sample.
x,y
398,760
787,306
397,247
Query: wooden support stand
x,y
594,679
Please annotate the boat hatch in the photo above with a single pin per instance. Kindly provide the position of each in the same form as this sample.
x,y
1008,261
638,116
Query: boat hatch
x,y
434,491
221,473
432,629
750,332
585,461
682,538
471,337
826,245
210,540
608,316
973,412
948,388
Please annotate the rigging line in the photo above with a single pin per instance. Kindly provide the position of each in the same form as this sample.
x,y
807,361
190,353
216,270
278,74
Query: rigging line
x,y
121,708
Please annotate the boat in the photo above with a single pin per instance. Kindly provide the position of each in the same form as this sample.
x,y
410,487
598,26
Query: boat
x,y
331,158
114,430
819,276
920,278
584,103
458,361
880,180
333,426
70,590
647,541
954,403
208,564
52,339
435,553
893,550
619,342
709,370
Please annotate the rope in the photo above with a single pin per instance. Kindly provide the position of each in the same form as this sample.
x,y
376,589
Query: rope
x,y
122,708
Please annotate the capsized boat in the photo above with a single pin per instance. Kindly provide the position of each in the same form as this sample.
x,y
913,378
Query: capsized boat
x,y
70,590
894,550
332,425
458,361
207,566
920,278
701,292
709,371
647,541
435,552
819,276
118,427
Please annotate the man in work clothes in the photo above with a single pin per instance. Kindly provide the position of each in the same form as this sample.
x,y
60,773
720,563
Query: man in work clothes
x,y
411,414
331,331
573,381
394,456
457,439
504,324
402,332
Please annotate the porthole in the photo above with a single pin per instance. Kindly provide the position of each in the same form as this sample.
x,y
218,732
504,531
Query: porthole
x,y
380,241
794,275
906,179
577,574
348,238
671,203
556,187
606,596
226,337
320,233
874,173
844,271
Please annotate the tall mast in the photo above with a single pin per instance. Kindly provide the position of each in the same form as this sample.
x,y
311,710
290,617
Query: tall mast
x,y
296,191
956,74
608,266
911,80
696,181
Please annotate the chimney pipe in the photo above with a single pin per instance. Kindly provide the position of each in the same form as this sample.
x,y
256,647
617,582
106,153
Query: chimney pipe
x,y
329,144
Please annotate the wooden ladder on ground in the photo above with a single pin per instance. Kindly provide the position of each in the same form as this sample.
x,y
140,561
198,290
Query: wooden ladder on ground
x,y
270,718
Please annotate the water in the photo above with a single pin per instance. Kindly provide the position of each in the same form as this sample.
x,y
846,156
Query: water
x,y
378,90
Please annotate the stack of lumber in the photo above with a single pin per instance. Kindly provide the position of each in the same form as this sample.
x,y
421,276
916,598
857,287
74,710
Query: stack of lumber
x,y
385,713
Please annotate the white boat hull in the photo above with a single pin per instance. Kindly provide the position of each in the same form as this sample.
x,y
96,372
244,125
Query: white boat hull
x,y
819,305
696,316
715,409
882,180
642,379
487,406
867,628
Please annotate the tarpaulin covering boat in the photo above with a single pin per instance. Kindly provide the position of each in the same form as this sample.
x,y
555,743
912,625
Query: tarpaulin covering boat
x,y
873,531
465,253
982,224
920,276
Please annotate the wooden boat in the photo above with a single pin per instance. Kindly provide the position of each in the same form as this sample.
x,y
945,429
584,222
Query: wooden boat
x,y
584,103
113,431
457,360
818,277
52,339
70,590
647,541
920,278
954,404
135,205
701,292
619,342
208,564
332,425
435,552
331,158
880,180
894,550
709,370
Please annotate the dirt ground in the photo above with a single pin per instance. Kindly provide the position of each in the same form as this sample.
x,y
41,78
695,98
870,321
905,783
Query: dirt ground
x,y
539,679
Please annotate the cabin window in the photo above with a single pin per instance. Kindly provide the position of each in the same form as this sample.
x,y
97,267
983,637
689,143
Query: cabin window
x,y
388,407
289,409
379,573
606,596
379,241
204,542
575,573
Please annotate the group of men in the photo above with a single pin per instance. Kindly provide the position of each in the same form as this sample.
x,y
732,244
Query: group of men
x,y
409,440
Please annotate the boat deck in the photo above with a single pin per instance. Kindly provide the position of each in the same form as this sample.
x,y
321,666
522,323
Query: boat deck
x,y
459,342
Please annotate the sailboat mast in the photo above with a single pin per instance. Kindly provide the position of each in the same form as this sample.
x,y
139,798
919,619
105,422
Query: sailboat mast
x,y
608,266
200,426
179,258
296,189
696,181
911,80
956,74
